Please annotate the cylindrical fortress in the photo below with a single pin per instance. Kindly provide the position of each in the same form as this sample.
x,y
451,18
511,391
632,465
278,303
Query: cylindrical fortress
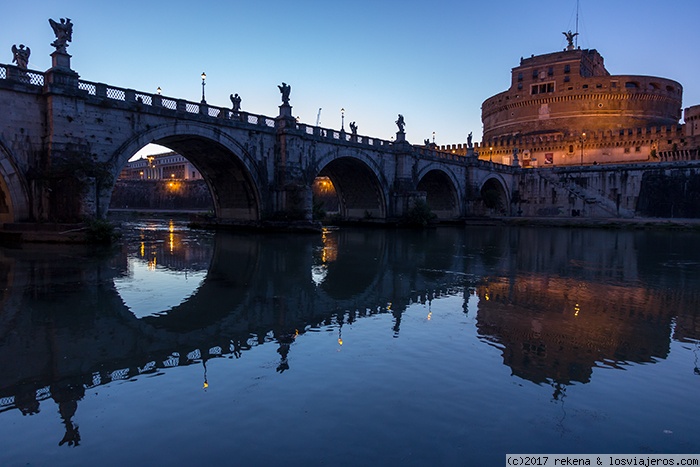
x,y
571,92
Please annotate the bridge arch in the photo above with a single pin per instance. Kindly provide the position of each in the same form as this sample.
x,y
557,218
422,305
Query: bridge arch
x,y
360,184
440,187
14,195
229,170
494,195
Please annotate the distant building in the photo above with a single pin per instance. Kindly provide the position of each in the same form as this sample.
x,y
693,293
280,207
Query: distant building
x,y
166,166
565,108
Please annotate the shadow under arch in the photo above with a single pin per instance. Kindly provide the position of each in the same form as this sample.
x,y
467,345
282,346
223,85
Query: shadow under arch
x,y
441,194
230,172
361,189
494,196
14,193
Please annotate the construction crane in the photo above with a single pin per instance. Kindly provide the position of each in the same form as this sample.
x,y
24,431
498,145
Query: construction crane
x,y
318,117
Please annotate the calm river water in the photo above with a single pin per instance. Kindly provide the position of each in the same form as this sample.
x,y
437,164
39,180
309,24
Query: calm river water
x,y
451,346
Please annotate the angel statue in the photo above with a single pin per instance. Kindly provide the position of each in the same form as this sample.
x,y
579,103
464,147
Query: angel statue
x,y
21,56
63,32
353,128
285,89
570,39
235,102
400,123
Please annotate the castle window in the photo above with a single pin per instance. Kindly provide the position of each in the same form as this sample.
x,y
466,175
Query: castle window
x,y
542,88
567,68
520,76
598,86
585,86
550,71
631,85
520,86
567,79
535,73
637,149
571,148
627,150
613,84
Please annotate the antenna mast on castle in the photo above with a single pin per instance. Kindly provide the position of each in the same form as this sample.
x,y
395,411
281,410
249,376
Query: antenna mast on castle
x,y
576,36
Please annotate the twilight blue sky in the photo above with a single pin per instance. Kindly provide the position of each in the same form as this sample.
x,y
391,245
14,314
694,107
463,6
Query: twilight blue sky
x,y
435,61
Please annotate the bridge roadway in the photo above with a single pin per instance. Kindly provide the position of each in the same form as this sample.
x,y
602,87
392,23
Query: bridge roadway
x,y
65,141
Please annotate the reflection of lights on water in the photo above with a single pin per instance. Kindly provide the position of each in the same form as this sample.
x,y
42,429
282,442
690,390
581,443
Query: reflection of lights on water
x,y
171,237
329,253
142,249
388,306
430,315
576,309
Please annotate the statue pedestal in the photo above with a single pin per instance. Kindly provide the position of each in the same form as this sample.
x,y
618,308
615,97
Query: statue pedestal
x,y
400,136
285,111
60,73
60,60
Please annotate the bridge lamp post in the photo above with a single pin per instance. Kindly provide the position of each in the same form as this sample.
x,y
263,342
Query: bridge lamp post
x,y
583,141
204,78
342,119
159,90
433,137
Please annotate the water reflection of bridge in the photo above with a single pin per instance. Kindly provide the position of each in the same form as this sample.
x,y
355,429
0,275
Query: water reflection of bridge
x,y
64,328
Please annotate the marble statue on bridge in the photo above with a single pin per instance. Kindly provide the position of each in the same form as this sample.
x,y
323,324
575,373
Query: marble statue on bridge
x,y
285,89
400,123
353,128
63,32
21,56
236,102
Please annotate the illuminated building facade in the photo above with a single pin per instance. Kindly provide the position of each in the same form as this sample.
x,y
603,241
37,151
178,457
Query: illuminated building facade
x,y
166,166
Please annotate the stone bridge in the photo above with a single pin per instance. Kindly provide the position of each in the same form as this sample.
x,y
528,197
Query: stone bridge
x,y
64,141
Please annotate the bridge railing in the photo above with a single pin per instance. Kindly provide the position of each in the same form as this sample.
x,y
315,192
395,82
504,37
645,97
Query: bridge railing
x,y
177,105
31,77
335,135
439,154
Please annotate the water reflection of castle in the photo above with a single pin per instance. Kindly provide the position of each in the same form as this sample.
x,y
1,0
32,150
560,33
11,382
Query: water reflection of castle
x,y
555,329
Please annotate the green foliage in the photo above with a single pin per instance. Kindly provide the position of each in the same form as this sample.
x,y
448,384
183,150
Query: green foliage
x,y
420,214
101,231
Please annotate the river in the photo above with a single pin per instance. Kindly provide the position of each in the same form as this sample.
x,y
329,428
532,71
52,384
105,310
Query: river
x,y
449,346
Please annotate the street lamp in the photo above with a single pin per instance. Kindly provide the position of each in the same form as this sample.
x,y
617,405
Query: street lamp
x,y
583,141
433,137
159,90
342,119
204,78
